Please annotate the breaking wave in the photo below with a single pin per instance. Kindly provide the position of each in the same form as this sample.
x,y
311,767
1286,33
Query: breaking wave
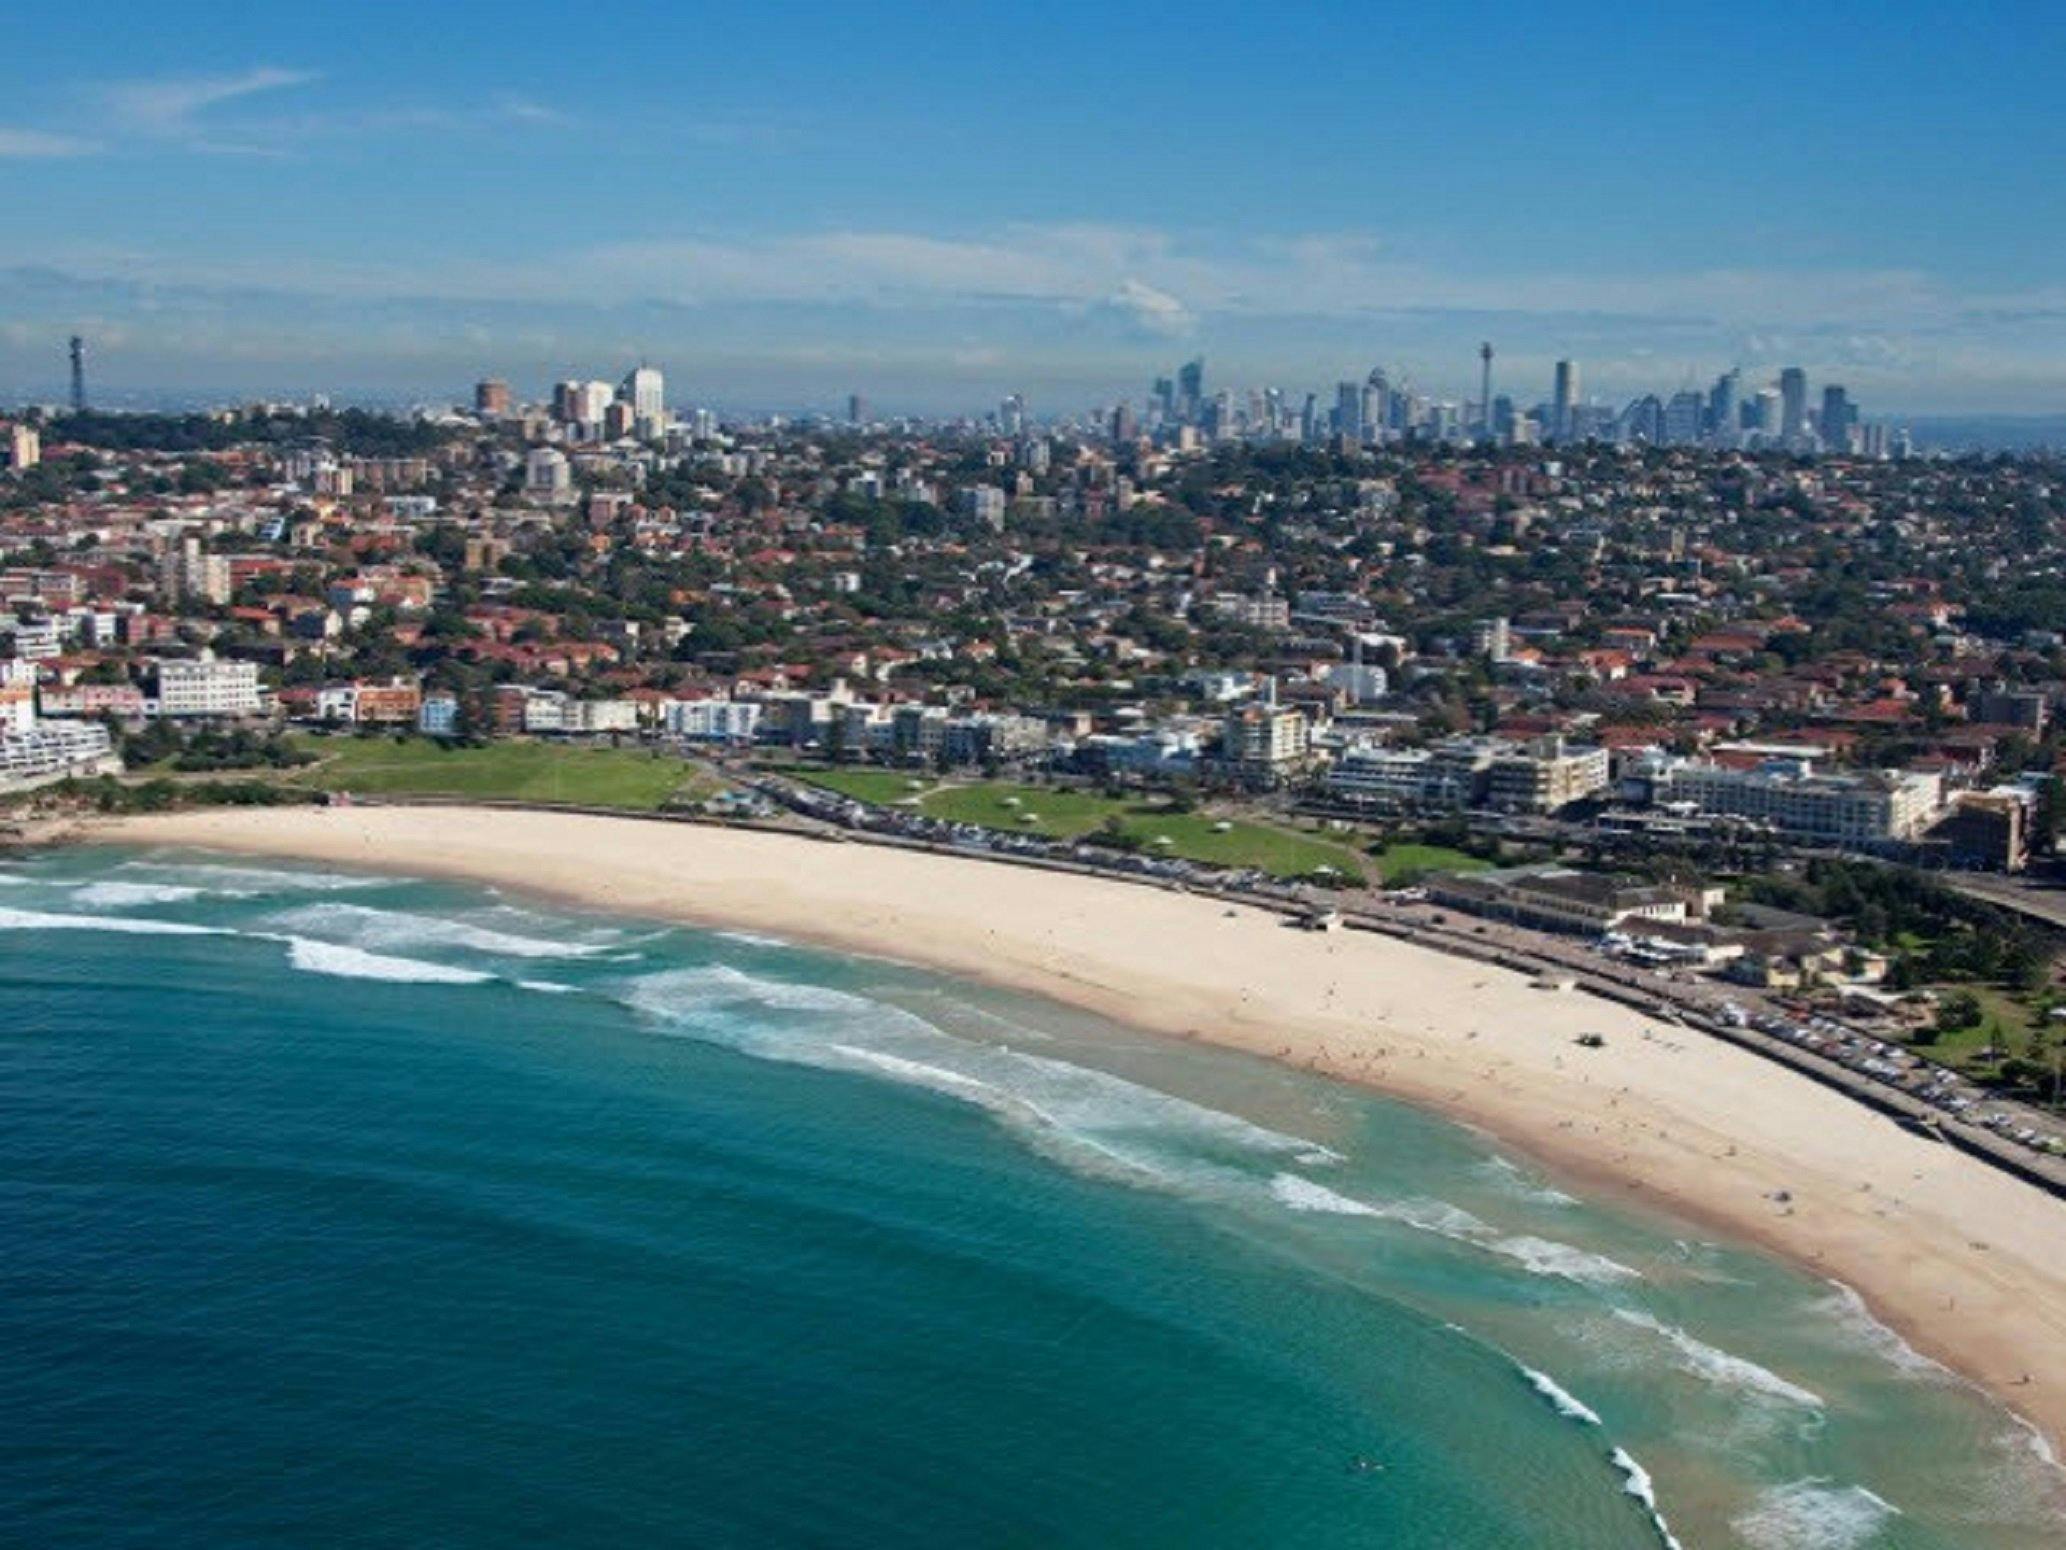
x,y
1814,1514
1081,1115
46,920
377,929
1539,1256
355,963
1635,1480
117,895
1517,1181
1719,1367
246,881
1847,1310
1561,1399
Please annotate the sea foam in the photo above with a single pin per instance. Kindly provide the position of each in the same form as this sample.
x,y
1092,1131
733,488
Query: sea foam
x,y
1539,1256
1561,1399
1719,1367
1635,1480
377,929
246,881
1847,1311
1080,1115
119,895
1814,1514
314,957
128,925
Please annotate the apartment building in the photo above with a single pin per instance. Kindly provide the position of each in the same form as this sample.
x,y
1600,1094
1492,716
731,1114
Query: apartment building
x,y
1545,776
46,752
1264,743
189,686
1866,808
712,721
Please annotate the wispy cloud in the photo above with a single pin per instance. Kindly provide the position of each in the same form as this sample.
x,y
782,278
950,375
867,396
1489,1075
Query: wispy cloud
x,y
37,144
1087,302
171,106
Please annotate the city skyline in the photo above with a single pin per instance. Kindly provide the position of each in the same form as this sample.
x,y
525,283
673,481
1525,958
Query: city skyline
x,y
810,204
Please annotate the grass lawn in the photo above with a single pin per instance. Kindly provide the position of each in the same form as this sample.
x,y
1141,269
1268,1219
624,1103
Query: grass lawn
x,y
1405,859
532,772
2005,1022
1070,814
881,787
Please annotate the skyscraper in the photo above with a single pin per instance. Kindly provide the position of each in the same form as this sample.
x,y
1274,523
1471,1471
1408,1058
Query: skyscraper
x,y
1348,410
1793,403
491,396
1165,399
1767,412
1190,390
646,391
1485,390
1564,399
1724,409
1683,414
1839,418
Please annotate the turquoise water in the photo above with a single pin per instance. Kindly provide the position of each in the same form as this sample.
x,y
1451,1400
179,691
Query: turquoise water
x,y
349,1209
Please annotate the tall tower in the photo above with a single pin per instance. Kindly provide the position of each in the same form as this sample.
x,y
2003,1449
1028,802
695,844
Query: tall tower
x,y
1566,396
78,374
1485,389
1793,402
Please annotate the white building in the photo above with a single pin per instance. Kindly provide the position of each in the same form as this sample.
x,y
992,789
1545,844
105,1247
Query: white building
x,y
438,716
591,716
1870,807
985,503
547,473
646,391
202,687
17,696
48,752
712,721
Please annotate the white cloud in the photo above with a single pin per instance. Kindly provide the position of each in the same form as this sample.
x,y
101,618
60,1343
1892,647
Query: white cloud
x,y
1150,310
32,144
171,105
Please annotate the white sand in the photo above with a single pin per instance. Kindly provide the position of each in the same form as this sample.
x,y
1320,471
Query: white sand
x,y
1966,1262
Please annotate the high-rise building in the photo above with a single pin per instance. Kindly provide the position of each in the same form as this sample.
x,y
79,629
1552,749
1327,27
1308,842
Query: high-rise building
x,y
1643,420
1190,390
1493,638
24,447
1011,415
1793,403
1724,409
1767,413
1348,410
593,402
491,397
1839,418
856,409
1165,399
1563,400
1485,390
1683,416
646,391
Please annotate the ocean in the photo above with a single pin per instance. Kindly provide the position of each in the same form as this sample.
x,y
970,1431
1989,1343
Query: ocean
x,y
350,1209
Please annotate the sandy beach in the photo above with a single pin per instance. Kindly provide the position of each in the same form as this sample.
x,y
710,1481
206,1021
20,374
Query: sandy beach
x,y
1968,1264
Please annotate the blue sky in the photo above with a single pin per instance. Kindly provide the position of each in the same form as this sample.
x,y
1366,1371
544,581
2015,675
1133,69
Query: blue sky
x,y
936,204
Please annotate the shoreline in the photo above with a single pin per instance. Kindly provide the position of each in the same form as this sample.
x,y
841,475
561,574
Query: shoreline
x,y
1962,1261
